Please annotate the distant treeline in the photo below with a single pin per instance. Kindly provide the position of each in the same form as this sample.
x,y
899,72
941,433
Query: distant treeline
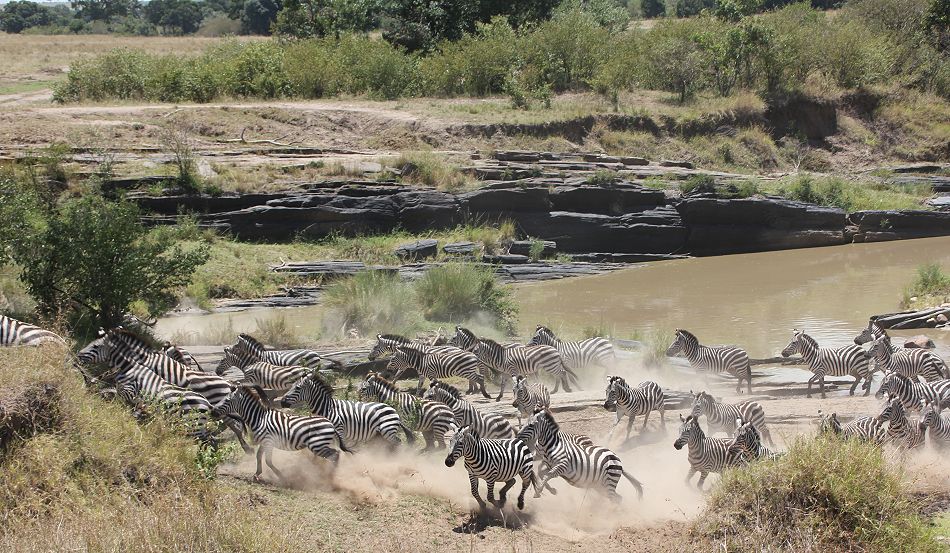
x,y
868,42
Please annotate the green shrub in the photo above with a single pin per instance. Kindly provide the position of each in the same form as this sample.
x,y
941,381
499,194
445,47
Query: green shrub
x,y
931,286
459,291
120,74
563,52
373,302
431,170
476,65
698,184
825,494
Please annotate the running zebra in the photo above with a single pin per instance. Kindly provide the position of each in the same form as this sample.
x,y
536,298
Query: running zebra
x,y
493,460
938,424
181,355
722,416
486,424
433,419
912,393
529,397
18,333
432,365
285,357
515,359
582,466
867,429
717,359
909,362
705,454
747,443
642,400
275,429
387,343
875,331
360,421
577,355
900,430
266,375
843,361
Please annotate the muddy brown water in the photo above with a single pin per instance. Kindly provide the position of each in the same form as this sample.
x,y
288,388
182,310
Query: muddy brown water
x,y
754,300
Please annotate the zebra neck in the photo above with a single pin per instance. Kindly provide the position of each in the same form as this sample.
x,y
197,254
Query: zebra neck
x,y
809,353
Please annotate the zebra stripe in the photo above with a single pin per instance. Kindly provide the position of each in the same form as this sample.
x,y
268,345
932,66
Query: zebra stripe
x,y
529,397
874,332
912,393
493,460
705,454
747,443
938,424
900,430
387,343
486,424
577,355
722,416
582,466
515,359
908,362
842,361
286,357
260,373
434,419
642,400
181,355
867,429
717,359
275,429
360,421
433,365
18,333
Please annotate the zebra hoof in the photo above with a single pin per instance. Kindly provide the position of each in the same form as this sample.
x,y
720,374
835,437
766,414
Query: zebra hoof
x,y
520,503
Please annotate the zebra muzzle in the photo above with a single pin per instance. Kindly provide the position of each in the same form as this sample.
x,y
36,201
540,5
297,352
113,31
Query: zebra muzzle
x,y
449,462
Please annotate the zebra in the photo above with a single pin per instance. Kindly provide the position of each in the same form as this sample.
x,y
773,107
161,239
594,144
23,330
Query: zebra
x,y
582,466
938,424
18,333
874,331
705,454
842,361
286,357
433,419
515,359
181,355
731,359
387,343
486,424
260,373
529,397
642,400
909,362
747,443
912,393
466,340
361,421
493,460
577,355
722,416
275,429
867,429
432,365
900,430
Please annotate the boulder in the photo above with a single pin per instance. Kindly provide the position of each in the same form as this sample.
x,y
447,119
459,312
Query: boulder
x,y
631,160
420,249
919,341
676,163
587,232
608,200
942,319
460,248
421,210
505,259
516,155
501,201
878,226
523,247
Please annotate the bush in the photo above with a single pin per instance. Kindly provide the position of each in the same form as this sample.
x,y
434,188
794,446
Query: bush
x,y
848,195
825,494
430,170
458,291
564,52
373,302
931,286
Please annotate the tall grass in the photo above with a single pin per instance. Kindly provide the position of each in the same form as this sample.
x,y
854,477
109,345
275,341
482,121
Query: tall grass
x,y
458,291
825,494
847,194
373,302
930,287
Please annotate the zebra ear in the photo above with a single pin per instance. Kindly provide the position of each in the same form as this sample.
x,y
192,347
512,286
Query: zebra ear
x,y
681,418
739,422
379,336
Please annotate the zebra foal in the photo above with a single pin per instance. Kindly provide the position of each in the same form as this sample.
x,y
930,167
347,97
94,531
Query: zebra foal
x,y
705,454
493,460
642,400
867,429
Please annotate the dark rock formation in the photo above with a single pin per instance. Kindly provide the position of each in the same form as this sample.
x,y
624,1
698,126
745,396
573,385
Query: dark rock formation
x,y
460,248
523,247
418,250
880,226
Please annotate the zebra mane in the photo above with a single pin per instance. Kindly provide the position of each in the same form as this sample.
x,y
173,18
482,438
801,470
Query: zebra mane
x,y
549,416
611,379
251,341
379,379
394,338
411,348
687,334
448,388
320,384
129,338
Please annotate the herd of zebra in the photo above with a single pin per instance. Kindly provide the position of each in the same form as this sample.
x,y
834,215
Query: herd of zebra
x,y
241,392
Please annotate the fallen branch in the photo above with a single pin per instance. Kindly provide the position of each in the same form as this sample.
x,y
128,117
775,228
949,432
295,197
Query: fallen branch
x,y
275,142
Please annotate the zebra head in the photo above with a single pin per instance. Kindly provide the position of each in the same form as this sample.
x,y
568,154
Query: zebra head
x,y
891,384
464,339
445,393
892,411
795,346
311,390
96,351
519,388
613,385
543,336
230,359
369,388
243,401
880,350
462,443
929,414
828,423
869,334
689,431
683,342
702,403
745,441
405,357
249,344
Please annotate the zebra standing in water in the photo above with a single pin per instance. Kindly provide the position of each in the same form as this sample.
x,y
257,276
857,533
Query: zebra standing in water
x,y
583,466
275,429
18,333
433,419
723,416
515,359
487,425
747,443
867,429
900,430
361,421
642,400
909,362
285,357
938,424
181,355
266,375
844,361
433,365
529,397
705,454
731,359
912,393
493,460
577,355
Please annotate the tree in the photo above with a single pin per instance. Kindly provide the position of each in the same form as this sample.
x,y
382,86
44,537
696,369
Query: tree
x,y
937,23
310,18
259,15
177,17
652,8
734,10
15,16
90,256
104,10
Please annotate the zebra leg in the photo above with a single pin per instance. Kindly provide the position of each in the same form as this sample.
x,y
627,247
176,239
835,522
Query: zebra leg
x,y
428,436
821,383
239,434
473,480
630,425
490,496
810,382
646,418
269,457
567,385
857,379
419,387
702,479
329,454
503,493
689,475
764,431
481,387
526,479
260,469
662,415
557,385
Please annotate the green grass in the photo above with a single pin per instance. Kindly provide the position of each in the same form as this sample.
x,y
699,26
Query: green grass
x,y
431,169
19,87
823,495
372,302
930,287
460,291
850,195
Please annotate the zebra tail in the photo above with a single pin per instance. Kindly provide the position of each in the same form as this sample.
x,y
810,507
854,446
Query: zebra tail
x,y
636,483
339,437
410,435
572,376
